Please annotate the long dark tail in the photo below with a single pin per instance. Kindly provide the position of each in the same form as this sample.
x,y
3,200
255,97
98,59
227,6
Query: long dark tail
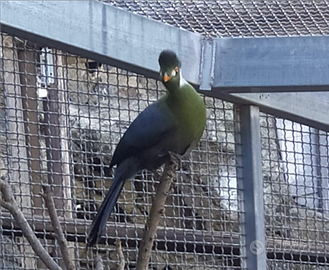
x,y
99,222
127,169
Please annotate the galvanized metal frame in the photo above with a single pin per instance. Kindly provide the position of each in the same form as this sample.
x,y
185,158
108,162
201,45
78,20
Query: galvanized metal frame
x,y
250,187
298,107
219,66
131,41
272,64
322,170
101,32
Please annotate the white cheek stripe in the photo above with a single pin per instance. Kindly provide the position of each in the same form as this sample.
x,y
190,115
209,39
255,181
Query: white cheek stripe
x,y
182,81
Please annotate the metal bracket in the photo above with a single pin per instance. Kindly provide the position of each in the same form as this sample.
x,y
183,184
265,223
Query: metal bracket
x,y
207,64
47,66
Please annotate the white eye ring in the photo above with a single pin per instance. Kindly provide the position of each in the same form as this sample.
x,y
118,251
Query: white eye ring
x,y
173,73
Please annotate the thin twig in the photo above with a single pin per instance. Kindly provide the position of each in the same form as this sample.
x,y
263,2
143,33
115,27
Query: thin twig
x,y
10,204
156,212
57,227
122,262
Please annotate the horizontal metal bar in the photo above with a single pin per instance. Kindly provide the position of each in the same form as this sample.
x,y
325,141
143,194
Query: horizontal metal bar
x,y
171,239
102,32
112,36
272,64
306,108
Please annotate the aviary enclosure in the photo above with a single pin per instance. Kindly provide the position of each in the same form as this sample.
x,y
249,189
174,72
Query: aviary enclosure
x,y
253,194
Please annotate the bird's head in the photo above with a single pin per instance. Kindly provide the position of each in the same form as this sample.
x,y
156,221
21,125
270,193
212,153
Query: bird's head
x,y
169,68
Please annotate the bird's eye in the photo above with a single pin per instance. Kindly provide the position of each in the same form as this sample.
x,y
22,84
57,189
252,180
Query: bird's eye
x,y
173,73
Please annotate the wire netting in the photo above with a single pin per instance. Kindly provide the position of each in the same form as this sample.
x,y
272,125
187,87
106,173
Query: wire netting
x,y
61,118
296,195
249,18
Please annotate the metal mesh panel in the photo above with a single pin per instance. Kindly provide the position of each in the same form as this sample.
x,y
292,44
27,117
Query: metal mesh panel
x,y
68,138
238,18
295,195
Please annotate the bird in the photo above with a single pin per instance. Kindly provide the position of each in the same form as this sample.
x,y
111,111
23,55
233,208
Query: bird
x,y
173,124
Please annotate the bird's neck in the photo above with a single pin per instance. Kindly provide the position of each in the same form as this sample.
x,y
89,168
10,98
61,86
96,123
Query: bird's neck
x,y
174,87
177,96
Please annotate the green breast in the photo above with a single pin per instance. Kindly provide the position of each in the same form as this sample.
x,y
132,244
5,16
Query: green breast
x,y
190,111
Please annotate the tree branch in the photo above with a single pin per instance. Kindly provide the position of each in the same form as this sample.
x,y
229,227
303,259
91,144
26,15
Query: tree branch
x,y
10,204
156,211
122,262
57,227
99,263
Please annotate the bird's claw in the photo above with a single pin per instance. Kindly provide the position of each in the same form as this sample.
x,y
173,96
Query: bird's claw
x,y
157,176
176,159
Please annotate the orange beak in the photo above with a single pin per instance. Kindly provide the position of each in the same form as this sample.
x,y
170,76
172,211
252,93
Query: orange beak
x,y
166,78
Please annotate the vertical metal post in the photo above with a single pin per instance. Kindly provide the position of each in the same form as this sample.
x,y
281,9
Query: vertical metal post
x,y
323,172
250,188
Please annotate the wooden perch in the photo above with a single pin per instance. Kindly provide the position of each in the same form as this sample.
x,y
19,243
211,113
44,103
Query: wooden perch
x,y
156,212
57,227
7,201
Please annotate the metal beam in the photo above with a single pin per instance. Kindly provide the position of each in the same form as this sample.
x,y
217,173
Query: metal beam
x,y
102,32
272,64
323,171
306,108
250,187
112,36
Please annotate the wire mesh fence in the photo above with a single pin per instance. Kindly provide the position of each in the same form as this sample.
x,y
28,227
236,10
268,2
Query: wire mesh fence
x,y
249,18
62,115
296,196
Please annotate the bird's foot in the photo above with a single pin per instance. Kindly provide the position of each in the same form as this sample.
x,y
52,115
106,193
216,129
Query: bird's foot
x,y
157,176
176,159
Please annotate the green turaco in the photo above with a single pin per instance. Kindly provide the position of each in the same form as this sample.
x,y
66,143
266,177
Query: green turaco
x,y
175,123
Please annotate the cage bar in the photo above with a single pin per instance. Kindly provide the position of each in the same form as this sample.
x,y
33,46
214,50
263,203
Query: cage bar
x,y
250,187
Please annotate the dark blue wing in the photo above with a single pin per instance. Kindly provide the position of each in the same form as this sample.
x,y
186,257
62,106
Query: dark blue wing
x,y
150,127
